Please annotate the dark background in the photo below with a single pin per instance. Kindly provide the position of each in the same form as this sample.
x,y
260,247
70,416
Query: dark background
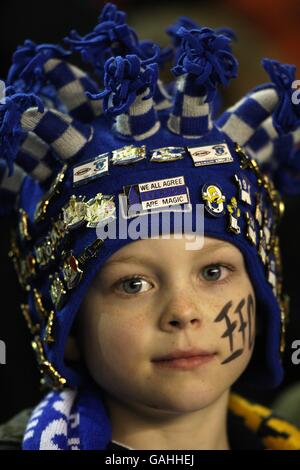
x,y
265,29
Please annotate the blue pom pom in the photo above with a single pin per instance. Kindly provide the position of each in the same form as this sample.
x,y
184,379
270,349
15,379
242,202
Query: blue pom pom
x,y
286,116
125,77
207,57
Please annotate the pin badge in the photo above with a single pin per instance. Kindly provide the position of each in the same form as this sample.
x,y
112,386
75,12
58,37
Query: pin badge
x,y
267,226
58,232
74,212
259,208
44,253
58,293
251,231
128,154
157,195
90,170
24,225
234,214
43,204
210,154
212,195
167,154
100,210
71,272
271,273
244,188
262,247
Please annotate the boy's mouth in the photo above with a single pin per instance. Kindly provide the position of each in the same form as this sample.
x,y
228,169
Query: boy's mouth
x,y
188,359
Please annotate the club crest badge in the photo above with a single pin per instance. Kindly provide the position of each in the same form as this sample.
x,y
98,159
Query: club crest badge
x,y
259,208
90,170
214,199
210,154
262,247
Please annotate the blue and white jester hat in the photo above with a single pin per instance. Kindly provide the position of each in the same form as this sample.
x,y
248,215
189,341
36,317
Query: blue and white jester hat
x,y
77,155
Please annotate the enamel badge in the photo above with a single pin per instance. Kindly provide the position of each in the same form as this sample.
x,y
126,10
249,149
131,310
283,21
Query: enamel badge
x,y
262,247
71,271
90,170
251,230
24,225
167,154
155,195
100,210
43,204
74,212
259,208
234,214
244,188
210,154
58,293
128,154
214,199
271,273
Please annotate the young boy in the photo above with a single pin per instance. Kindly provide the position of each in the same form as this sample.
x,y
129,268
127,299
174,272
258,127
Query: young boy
x,y
147,240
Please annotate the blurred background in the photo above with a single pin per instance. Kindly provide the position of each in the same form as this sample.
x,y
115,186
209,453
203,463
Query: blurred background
x,y
265,28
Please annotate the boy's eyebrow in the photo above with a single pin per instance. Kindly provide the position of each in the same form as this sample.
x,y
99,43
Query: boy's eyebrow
x,y
145,259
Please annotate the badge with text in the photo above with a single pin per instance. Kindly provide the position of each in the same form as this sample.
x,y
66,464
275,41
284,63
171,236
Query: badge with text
x,y
155,195
91,170
210,154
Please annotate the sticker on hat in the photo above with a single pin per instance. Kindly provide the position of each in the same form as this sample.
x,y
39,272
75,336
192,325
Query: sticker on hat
x,y
155,196
210,154
214,199
167,154
128,154
91,169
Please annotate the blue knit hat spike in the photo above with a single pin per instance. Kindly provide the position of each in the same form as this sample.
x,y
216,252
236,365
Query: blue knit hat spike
x,y
73,150
205,60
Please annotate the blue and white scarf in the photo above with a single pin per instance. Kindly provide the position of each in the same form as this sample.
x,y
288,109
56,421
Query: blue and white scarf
x,y
69,420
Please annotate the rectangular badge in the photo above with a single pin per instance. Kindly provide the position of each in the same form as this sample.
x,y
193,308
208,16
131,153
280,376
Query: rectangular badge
x,y
210,154
156,195
91,169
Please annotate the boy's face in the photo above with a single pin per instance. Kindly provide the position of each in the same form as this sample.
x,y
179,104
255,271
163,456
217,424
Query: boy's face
x,y
152,298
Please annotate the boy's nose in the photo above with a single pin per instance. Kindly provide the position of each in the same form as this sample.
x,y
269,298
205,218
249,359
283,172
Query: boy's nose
x,y
181,312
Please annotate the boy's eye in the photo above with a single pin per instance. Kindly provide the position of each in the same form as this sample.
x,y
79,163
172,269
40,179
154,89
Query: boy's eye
x,y
212,272
134,285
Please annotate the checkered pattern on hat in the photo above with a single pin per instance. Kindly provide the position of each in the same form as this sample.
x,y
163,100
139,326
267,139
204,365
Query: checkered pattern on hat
x,y
65,135
35,158
191,115
141,120
72,84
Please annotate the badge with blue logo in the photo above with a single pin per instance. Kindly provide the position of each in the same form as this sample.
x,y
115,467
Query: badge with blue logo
x,y
155,196
210,154
90,170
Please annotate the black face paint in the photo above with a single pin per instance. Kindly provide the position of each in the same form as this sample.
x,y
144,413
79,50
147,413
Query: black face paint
x,y
232,325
